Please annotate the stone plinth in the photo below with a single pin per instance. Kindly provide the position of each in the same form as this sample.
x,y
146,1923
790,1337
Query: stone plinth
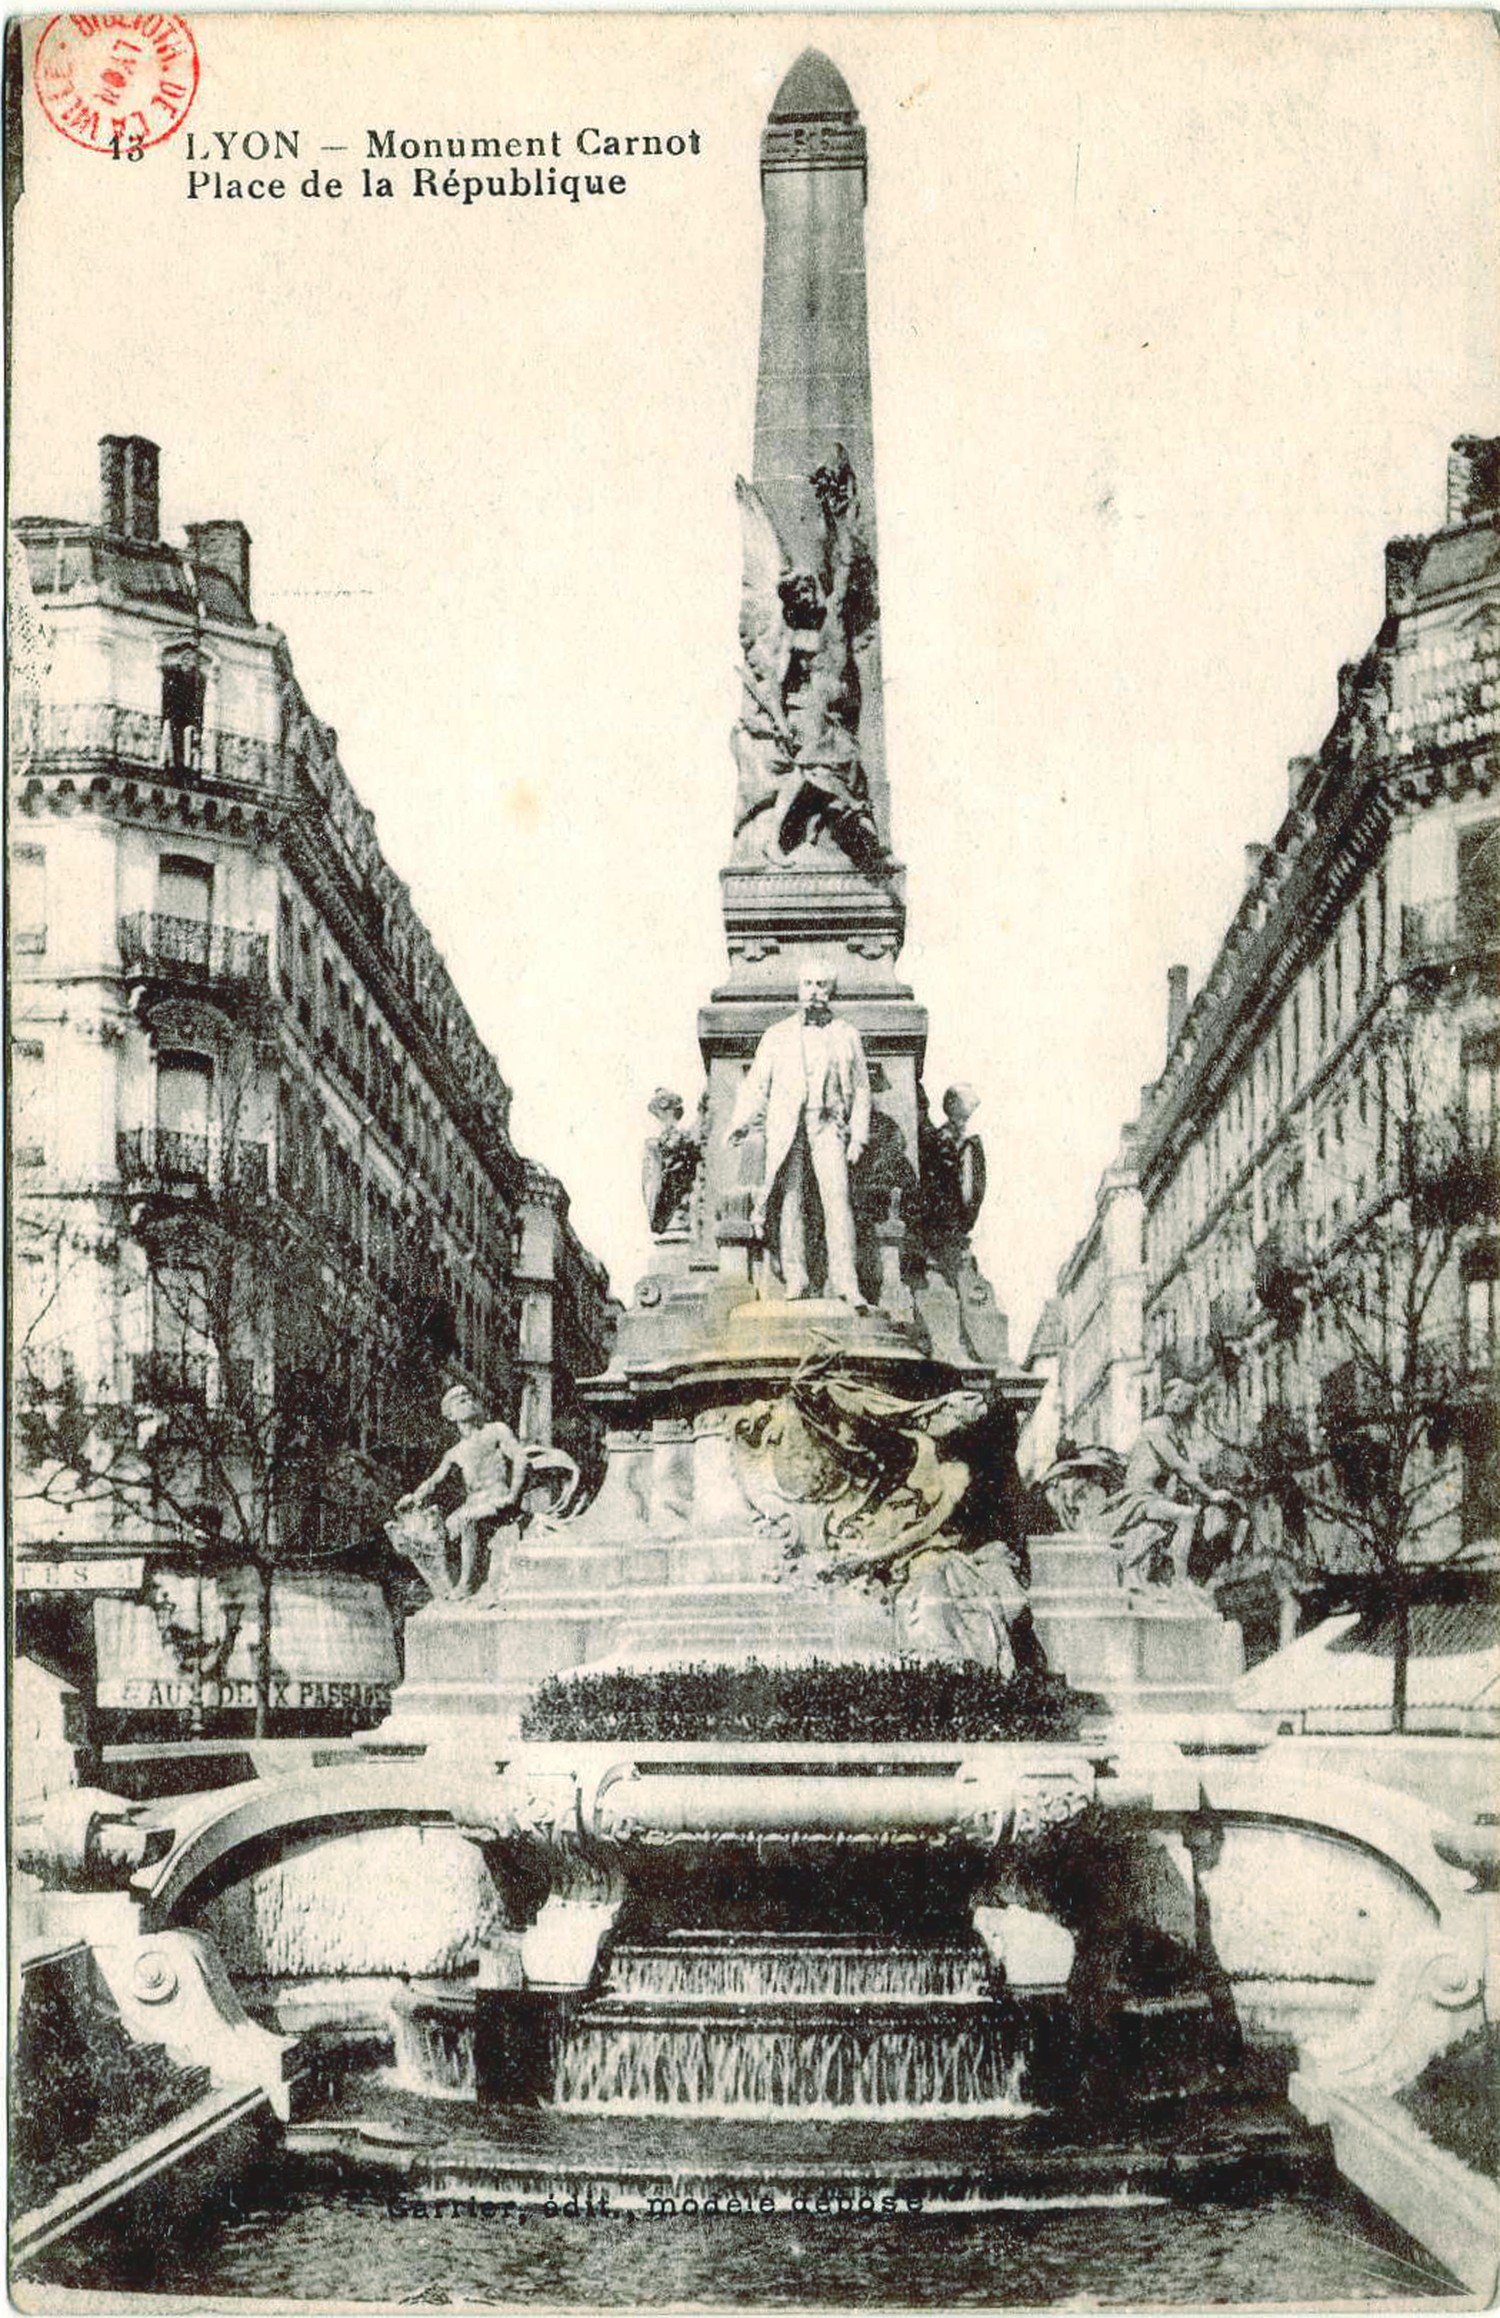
x,y
1166,1650
672,1564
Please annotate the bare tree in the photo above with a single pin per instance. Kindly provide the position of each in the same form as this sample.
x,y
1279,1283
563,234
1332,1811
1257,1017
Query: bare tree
x,y
1365,1488
289,1394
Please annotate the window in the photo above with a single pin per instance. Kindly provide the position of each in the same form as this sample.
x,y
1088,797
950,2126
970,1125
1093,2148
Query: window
x,y
284,944
305,982
180,1341
185,887
1479,881
1481,1049
1322,1004
289,1162
1296,1039
184,1093
1362,923
28,900
182,688
28,1101
1482,1308
185,894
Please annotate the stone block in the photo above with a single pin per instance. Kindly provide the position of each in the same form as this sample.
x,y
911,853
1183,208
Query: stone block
x,y
1167,1651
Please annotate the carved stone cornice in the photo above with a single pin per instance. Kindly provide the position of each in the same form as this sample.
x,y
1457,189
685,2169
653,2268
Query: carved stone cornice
x,y
39,792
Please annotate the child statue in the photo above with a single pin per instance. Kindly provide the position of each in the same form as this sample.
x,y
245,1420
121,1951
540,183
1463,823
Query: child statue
x,y
497,1469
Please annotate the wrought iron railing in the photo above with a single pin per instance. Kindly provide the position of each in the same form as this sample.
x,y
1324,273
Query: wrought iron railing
x,y
71,735
165,1159
151,943
168,1379
171,1379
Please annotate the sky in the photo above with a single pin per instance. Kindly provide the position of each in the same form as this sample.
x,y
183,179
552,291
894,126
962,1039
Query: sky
x,y
1173,318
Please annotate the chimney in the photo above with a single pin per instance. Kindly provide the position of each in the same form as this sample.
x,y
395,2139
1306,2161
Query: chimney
x,y
1254,856
1297,770
1176,1003
224,547
129,487
1474,478
1403,566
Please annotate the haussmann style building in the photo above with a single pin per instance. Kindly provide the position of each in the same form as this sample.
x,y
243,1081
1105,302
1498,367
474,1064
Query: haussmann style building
x,y
1352,1002
265,1200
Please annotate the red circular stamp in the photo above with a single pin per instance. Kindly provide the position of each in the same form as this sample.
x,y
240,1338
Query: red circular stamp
x,y
116,84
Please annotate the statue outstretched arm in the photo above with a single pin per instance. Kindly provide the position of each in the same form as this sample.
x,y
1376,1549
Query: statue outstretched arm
x,y
424,1489
1183,1468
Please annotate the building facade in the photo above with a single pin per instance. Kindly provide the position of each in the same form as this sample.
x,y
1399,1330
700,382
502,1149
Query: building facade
x,y
1098,1308
236,1051
1349,1016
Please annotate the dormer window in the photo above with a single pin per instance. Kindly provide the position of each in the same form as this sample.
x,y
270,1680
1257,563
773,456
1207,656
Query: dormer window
x,y
182,691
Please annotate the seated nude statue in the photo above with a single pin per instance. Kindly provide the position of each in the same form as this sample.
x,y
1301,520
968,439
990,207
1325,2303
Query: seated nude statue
x,y
496,1468
1162,1488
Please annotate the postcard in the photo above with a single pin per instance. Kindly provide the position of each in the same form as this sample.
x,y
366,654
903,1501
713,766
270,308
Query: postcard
x,y
753,1262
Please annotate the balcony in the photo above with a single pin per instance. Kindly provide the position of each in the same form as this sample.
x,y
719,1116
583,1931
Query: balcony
x,y
171,1379
1282,1273
182,951
163,1159
183,1379
1448,933
85,738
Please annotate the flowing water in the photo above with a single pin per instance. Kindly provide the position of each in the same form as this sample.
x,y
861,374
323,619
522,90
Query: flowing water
x,y
304,2242
806,2071
773,2026
791,1970
772,2121
435,2054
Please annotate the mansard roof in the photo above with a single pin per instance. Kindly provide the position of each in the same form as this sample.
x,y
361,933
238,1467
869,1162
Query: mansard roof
x,y
64,558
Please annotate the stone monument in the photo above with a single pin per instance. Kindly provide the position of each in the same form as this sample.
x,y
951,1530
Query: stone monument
x,y
811,1411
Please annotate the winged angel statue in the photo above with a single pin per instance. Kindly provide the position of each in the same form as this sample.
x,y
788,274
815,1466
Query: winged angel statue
x,y
802,785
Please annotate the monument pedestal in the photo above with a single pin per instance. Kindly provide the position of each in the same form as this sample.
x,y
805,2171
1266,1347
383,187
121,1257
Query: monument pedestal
x,y
1164,1650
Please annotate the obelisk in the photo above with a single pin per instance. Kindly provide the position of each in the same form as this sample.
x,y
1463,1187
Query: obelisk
x,y
813,388
810,872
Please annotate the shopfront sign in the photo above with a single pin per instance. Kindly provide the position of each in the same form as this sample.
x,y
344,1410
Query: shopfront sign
x,y
82,1574
192,1644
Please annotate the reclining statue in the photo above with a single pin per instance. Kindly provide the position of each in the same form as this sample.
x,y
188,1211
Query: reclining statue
x,y
498,1471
